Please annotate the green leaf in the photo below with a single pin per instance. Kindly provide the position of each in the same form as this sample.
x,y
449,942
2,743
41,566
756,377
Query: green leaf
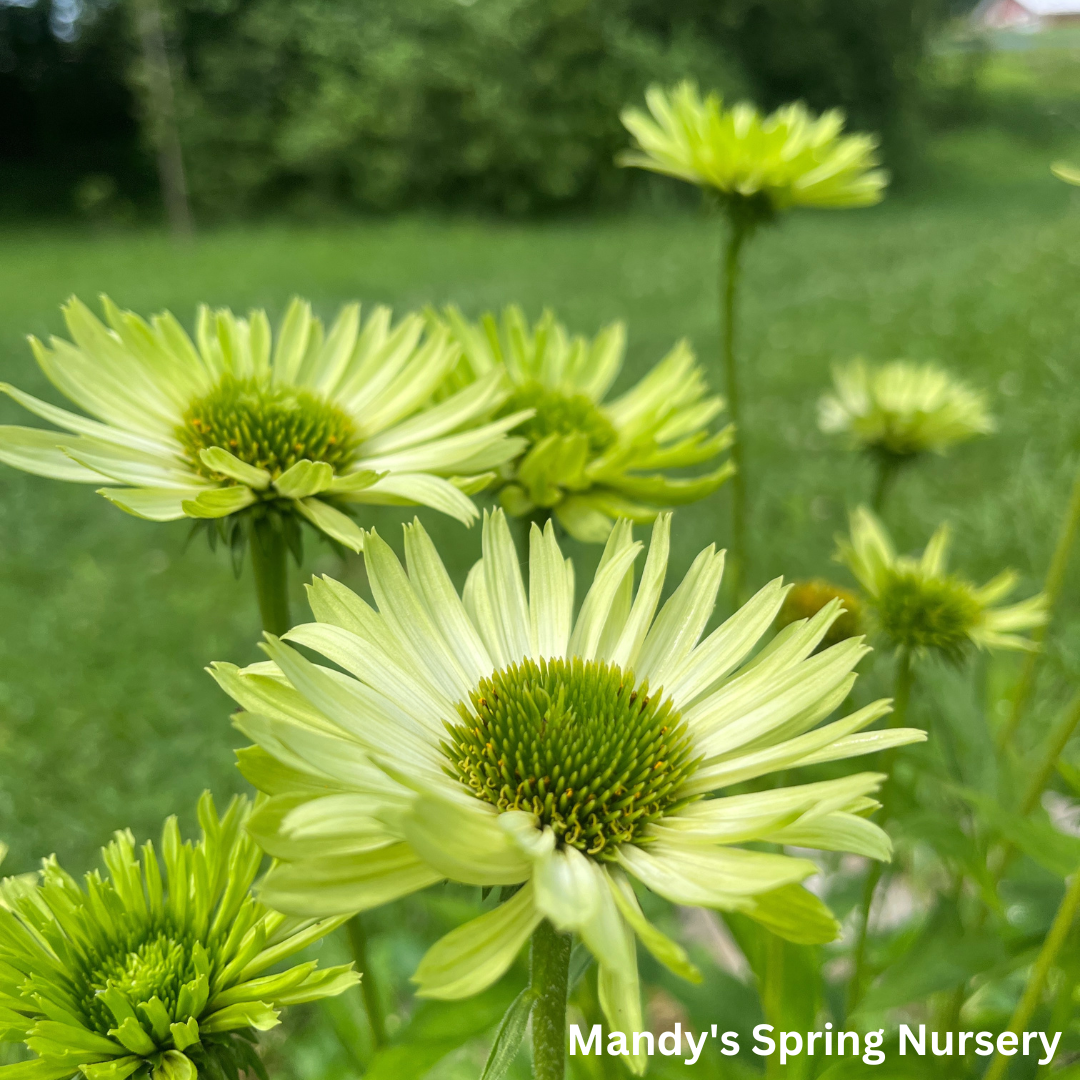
x,y
509,1035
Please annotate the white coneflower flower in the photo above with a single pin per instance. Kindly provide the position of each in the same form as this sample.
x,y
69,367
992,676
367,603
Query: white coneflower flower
x,y
494,739
920,607
308,427
591,458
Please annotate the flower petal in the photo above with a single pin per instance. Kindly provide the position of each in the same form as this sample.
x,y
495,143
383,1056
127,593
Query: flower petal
x,y
473,956
334,523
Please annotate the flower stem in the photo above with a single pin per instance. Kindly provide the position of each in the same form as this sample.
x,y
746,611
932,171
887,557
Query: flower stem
x,y
1059,931
268,563
1055,579
354,928
887,468
737,234
549,975
905,677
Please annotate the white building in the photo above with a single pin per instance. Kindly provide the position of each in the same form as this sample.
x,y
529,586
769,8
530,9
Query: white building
x,y
1030,15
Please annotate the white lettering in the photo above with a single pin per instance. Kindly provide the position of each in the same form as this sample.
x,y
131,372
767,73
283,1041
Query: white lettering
x,y
761,1036
676,1041
907,1035
789,1051
595,1035
616,1044
647,1036
730,1044
696,1049
984,1045
1007,1039
1049,1047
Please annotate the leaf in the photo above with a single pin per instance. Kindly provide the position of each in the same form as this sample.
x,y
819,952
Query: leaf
x,y
509,1035
1033,835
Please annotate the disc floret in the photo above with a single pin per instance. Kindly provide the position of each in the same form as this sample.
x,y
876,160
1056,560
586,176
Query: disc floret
x,y
267,424
148,973
577,743
559,414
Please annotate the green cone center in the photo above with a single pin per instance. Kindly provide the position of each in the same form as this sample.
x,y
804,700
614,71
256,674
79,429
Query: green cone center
x,y
155,967
269,425
576,743
561,414
928,614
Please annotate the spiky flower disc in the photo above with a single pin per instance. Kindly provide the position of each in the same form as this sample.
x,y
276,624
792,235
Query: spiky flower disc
x,y
759,165
162,969
494,739
900,409
920,607
589,460
306,428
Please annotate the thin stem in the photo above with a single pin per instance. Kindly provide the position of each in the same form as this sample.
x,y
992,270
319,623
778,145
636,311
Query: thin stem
x,y
905,677
772,994
549,972
1055,579
887,468
357,935
268,562
1059,931
728,295
1059,738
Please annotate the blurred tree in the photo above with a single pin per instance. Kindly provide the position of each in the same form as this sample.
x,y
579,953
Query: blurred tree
x,y
65,111
504,104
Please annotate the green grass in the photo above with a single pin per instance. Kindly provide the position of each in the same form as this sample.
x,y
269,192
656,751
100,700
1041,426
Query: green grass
x,y
106,716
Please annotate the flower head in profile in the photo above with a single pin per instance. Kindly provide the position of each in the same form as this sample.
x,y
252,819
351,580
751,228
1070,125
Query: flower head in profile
x,y
588,459
762,164
495,739
900,410
806,598
162,969
918,606
308,427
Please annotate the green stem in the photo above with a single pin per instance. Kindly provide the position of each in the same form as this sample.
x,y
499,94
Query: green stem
x,y
357,935
772,994
887,468
1059,738
268,563
729,291
905,676
1059,931
1055,579
549,972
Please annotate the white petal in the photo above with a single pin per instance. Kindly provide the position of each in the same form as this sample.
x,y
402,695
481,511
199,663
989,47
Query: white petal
x,y
551,593
626,650
473,956
412,489
153,504
327,519
505,589
596,607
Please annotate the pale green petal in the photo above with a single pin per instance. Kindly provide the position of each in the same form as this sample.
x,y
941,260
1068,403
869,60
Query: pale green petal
x,y
663,949
551,593
153,504
219,502
838,831
628,646
304,478
412,489
582,520
293,338
721,877
473,956
220,460
443,605
43,453
506,590
795,914
463,841
682,619
727,646
345,884
525,833
334,523
133,466
620,1000
596,606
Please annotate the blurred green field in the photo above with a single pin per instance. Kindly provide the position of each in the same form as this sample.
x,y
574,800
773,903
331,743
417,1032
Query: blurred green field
x,y
106,717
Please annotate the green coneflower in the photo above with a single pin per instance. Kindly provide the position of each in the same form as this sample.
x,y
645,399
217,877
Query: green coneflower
x,y
920,608
758,167
806,598
900,411
158,970
590,460
256,436
493,739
